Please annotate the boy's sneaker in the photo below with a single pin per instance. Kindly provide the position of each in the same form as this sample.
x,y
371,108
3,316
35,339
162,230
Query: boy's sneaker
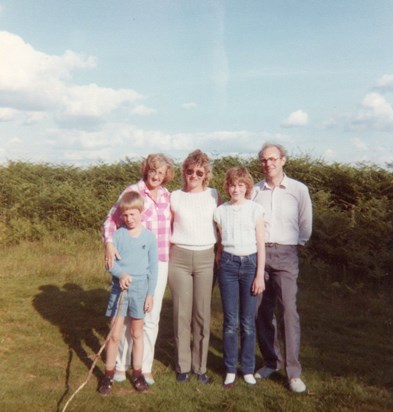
x,y
297,385
120,376
182,377
264,373
105,385
139,383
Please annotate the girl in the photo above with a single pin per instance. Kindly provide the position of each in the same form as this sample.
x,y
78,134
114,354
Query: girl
x,y
241,271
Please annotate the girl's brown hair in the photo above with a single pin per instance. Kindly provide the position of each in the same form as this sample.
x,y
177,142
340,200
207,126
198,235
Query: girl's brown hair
x,y
239,174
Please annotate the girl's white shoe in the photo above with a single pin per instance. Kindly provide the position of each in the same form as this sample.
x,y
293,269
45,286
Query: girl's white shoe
x,y
249,378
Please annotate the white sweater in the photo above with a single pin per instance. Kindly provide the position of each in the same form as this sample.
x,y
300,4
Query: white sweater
x,y
238,225
193,225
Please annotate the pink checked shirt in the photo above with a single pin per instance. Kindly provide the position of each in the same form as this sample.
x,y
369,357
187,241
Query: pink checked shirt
x,y
156,217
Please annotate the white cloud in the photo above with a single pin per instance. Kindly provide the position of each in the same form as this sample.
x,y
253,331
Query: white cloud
x,y
329,155
188,106
296,119
7,114
375,113
114,141
359,144
329,123
35,117
385,83
142,110
94,101
32,80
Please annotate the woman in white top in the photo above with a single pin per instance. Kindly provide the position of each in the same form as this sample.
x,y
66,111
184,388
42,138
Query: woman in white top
x,y
241,272
191,264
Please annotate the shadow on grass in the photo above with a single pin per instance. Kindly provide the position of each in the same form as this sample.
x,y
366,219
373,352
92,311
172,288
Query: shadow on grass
x,y
78,314
165,345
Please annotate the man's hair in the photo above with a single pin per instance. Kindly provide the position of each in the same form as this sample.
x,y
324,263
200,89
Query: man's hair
x,y
239,174
131,200
268,145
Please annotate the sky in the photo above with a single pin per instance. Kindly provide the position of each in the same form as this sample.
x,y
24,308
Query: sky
x,y
89,81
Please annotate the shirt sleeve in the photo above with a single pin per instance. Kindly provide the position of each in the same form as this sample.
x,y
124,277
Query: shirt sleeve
x,y
117,270
305,216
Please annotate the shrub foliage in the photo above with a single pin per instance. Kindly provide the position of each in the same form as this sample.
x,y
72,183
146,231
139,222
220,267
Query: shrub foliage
x,y
353,207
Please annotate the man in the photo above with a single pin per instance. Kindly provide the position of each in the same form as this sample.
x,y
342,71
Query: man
x,y
288,223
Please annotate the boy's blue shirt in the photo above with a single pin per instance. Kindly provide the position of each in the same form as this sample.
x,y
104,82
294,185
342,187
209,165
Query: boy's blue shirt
x,y
139,256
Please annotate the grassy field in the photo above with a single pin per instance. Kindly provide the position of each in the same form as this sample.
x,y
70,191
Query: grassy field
x,y
52,298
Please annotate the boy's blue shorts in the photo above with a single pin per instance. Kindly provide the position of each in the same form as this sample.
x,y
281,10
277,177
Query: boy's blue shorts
x,y
133,304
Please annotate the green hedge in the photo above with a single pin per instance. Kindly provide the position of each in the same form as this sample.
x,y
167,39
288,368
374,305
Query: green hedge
x,y
353,207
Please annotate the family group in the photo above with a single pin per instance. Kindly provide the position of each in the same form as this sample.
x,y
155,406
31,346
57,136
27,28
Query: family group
x,y
153,238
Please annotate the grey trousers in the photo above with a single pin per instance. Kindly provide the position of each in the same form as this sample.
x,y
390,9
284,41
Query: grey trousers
x,y
281,272
190,280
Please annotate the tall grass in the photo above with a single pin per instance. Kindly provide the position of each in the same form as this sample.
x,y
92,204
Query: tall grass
x,y
52,299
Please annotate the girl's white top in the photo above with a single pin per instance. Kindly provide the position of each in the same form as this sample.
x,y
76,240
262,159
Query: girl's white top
x,y
193,225
238,226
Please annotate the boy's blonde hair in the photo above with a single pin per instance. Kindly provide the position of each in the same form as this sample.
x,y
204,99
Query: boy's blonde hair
x,y
131,200
239,174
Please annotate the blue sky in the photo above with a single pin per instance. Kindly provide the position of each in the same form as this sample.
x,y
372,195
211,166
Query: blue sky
x,y
83,81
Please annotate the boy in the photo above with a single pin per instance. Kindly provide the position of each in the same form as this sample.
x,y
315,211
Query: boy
x,y
136,273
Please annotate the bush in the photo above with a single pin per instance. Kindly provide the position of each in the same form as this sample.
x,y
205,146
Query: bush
x,y
353,206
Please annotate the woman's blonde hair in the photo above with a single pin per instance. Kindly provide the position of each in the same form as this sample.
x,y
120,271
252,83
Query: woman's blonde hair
x,y
238,174
197,159
153,162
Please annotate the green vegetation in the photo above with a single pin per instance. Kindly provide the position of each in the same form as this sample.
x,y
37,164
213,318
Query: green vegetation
x,y
54,293
353,208
52,301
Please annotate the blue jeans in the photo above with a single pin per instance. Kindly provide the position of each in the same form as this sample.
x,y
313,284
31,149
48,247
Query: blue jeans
x,y
236,276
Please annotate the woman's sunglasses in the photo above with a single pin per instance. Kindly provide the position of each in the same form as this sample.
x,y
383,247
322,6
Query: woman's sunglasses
x,y
199,173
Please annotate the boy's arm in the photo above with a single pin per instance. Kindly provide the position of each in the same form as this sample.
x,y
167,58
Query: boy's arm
x,y
116,269
125,281
149,303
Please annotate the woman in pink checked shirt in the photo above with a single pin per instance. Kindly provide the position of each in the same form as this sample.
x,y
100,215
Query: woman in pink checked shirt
x,y
157,170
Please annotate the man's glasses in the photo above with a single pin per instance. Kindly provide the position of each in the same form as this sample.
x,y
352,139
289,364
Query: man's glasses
x,y
199,173
270,159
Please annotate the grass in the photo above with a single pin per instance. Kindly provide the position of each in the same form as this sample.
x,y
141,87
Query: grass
x,y
52,298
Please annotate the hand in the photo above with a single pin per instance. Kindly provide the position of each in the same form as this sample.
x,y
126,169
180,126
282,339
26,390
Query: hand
x,y
110,254
258,286
149,303
125,281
